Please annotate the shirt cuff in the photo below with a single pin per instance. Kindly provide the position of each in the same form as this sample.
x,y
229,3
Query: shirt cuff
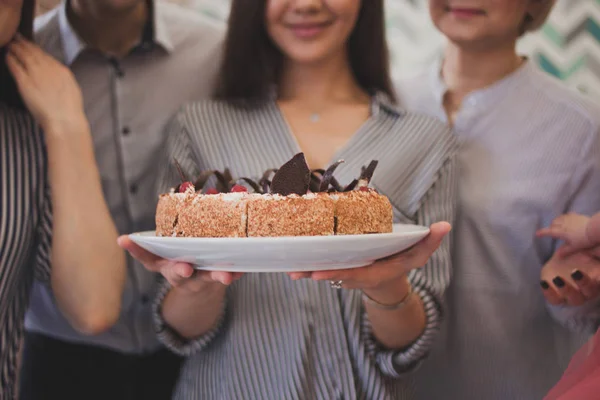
x,y
172,340
396,363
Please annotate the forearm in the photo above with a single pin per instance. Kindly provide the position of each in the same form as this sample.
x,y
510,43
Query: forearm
x,y
88,267
193,314
396,329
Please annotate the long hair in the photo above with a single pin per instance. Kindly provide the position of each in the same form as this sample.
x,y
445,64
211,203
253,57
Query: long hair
x,y
252,64
9,94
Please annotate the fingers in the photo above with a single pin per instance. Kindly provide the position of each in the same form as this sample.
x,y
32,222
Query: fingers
x,y
24,52
586,285
561,291
149,260
551,294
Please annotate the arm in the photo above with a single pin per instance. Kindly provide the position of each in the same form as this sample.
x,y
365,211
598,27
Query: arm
x,y
413,329
399,339
585,201
88,268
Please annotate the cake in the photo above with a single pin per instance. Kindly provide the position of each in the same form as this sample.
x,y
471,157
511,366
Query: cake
x,y
295,202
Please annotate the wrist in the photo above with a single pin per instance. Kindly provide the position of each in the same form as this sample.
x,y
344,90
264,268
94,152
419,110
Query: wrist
x,y
65,127
391,292
206,292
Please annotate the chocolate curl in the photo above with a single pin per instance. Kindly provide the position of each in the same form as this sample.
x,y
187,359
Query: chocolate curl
x,y
316,175
252,184
328,178
202,179
292,178
265,182
224,180
351,186
367,173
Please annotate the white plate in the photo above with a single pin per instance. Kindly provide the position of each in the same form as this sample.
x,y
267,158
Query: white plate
x,y
282,254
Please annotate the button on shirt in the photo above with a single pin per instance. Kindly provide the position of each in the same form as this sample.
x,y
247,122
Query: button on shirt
x,y
128,103
530,152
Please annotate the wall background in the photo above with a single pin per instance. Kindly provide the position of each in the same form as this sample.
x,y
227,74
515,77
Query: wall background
x,y
567,47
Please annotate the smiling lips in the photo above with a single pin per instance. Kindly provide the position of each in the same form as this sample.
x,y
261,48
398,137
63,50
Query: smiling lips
x,y
308,30
465,12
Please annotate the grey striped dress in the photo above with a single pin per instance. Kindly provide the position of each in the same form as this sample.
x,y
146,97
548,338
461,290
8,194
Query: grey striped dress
x,y
25,231
529,151
280,339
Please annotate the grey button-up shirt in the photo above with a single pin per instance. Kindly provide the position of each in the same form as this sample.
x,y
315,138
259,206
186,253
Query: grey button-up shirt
x,y
529,151
128,103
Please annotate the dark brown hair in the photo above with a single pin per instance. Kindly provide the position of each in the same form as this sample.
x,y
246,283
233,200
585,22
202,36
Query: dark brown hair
x,y
252,64
9,94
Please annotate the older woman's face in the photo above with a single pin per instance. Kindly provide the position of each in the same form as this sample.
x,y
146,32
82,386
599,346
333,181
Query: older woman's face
x,y
480,23
10,15
310,31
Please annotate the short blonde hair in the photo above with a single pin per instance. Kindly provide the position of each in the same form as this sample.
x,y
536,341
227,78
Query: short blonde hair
x,y
535,22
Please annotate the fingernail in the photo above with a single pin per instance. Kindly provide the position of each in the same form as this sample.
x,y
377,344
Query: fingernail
x,y
544,285
577,275
558,281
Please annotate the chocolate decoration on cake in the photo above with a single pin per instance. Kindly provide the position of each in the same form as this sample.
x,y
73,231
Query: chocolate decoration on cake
x,y
252,184
367,173
351,186
292,178
265,182
327,177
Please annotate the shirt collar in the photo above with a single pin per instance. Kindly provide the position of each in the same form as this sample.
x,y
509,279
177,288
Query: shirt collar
x,y
155,33
482,96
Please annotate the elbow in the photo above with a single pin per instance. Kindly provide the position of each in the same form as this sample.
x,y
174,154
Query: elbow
x,y
94,322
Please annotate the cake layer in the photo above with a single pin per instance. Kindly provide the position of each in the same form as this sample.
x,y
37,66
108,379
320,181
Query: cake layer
x,y
190,215
309,215
360,212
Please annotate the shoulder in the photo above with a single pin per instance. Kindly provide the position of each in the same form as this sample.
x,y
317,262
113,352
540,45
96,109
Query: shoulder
x,y
423,133
564,102
212,111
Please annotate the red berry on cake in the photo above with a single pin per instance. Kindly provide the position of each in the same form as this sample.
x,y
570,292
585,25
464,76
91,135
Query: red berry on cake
x,y
211,191
238,189
185,186
364,189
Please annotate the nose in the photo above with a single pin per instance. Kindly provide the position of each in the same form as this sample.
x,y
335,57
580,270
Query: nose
x,y
307,6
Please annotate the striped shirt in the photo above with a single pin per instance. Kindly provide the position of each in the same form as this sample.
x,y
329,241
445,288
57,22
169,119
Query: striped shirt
x,y
530,151
25,231
304,340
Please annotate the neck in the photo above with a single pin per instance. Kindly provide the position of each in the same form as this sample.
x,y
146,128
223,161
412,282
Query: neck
x,y
465,71
320,83
111,32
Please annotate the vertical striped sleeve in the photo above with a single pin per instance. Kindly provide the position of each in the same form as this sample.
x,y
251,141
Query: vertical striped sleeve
x,y
43,261
429,283
172,340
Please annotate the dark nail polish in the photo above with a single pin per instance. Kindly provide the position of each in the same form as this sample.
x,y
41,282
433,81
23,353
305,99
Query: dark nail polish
x,y
544,285
558,281
577,275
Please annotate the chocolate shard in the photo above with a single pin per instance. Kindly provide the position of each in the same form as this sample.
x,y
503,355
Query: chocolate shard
x,y
367,173
180,171
292,178
255,186
327,177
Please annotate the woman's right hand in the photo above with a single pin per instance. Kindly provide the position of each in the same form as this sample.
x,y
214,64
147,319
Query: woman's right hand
x,y
179,274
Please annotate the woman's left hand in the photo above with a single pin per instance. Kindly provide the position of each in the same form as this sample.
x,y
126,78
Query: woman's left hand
x,y
47,87
381,276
